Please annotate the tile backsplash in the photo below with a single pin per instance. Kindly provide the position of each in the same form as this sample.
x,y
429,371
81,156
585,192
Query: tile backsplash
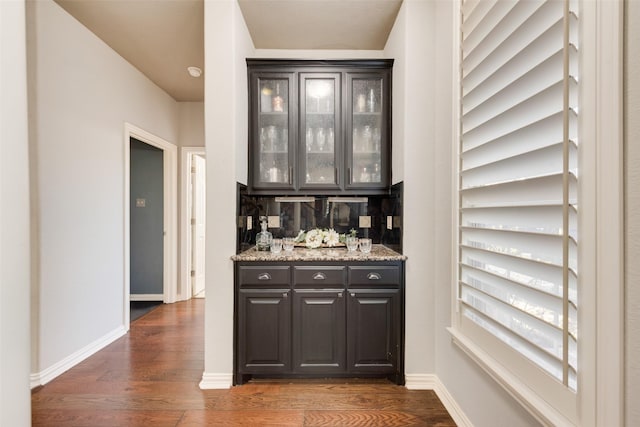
x,y
340,213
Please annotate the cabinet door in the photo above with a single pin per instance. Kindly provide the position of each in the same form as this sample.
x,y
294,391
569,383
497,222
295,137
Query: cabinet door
x,y
319,331
368,115
320,131
373,328
272,155
264,331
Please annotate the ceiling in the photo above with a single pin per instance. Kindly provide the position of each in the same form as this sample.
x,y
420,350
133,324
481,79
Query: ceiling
x,y
161,38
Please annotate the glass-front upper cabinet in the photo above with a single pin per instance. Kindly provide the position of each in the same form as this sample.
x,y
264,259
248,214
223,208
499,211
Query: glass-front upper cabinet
x,y
319,126
320,131
273,158
367,139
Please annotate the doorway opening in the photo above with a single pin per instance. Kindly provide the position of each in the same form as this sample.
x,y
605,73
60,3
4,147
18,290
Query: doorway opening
x,y
193,223
150,239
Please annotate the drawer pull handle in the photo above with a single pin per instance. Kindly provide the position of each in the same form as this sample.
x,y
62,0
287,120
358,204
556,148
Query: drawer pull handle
x,y
353,294
319,276
339,294
374,276
285,294
264,276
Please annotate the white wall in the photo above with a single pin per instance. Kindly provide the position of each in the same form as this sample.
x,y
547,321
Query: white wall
x,y
15,398
632,184
227,43
81,93
411,44
191,119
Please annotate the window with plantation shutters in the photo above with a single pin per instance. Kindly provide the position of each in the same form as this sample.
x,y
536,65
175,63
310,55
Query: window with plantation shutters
x,y
518,179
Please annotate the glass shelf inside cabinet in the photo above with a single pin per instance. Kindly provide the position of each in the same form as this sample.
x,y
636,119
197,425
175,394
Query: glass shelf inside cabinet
x,y
366,137
319,136
273,131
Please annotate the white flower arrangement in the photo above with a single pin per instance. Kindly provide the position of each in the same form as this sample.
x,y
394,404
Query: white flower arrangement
x,y
317,237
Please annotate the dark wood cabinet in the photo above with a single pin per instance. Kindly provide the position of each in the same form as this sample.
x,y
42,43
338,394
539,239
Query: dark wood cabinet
x,y
374,328
264,328
319,331
339,319
319,127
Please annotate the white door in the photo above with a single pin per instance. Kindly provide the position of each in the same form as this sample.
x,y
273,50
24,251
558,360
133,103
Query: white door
x,y
198,224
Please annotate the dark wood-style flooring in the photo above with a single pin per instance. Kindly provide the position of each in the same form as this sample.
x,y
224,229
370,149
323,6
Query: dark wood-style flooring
x,y
150,378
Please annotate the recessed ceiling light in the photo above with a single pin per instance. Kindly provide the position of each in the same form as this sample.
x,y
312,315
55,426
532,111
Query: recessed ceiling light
x,y
194,71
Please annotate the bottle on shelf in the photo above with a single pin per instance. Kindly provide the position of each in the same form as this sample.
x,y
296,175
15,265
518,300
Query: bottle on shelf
x,y
264,237
263,139
361,103
320,139
277,101
376,176
265,100
371,101
330,140
284,140
365,175
309,140
274,173
376,139
367,137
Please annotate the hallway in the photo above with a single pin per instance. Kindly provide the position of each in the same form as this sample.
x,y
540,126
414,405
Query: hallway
x,y
151,375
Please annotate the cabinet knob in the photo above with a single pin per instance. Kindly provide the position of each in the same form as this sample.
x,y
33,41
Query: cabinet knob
x,y
264,276
339,294
374,276
353,294
285,294
319,276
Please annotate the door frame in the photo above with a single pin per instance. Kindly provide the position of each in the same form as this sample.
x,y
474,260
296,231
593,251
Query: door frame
x,y
170,210
186,200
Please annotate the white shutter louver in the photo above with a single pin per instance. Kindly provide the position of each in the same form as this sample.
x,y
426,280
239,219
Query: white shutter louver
x,y
518,178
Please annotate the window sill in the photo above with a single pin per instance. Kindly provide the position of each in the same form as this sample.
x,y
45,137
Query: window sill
x,y
532,402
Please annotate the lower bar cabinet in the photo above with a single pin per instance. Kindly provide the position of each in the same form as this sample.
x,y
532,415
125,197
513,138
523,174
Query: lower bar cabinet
x,y
312,319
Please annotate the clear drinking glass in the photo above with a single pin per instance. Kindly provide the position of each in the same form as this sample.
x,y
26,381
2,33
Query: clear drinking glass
x,y
288,243
352,243
365,246
276,246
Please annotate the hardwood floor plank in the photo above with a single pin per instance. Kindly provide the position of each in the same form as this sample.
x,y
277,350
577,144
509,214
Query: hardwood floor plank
x,y
150,378
80,418
370,418
280,418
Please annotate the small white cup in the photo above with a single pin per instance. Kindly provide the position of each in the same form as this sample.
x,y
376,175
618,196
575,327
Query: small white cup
x,y
276,246
365,246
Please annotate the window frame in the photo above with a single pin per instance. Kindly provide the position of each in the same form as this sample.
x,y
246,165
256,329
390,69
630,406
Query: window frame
x,y
599,400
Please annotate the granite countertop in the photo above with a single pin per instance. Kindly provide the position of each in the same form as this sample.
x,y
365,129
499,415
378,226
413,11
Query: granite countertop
x,y
378,253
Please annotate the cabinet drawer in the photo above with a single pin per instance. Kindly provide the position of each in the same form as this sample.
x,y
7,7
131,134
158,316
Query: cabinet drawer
x,y
264,275
319,275
374,275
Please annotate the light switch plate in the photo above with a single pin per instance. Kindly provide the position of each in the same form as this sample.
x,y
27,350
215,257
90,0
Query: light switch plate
x,y
365,221
273,221
389,222
249,223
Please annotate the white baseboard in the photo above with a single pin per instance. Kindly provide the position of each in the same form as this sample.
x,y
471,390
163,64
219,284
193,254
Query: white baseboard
x,y
420,381
216,381
146,297
432,382
43,377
